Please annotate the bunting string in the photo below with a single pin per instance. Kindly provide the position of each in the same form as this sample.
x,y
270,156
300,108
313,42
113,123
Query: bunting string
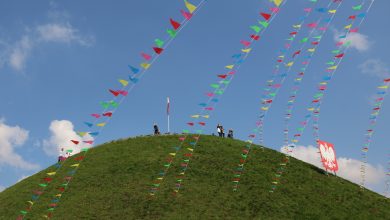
x,y
197,120
109,109
375,112
314,106
272,90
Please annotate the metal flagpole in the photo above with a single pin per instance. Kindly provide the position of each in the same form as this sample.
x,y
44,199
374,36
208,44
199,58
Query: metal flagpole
x,y
168,113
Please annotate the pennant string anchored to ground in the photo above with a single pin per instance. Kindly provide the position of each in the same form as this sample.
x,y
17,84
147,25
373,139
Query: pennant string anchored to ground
x,y
375,112
197,120
105,116
272,90
314,106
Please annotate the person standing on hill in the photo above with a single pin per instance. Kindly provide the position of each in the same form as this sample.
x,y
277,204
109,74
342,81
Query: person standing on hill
x,y
222,131
230,133
156,130
61,157
219,130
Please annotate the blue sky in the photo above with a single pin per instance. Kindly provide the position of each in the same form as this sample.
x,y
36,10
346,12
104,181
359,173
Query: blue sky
x,y
58,59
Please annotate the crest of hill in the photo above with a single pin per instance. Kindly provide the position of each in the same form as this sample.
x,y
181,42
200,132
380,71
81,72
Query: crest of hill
x,y
114,179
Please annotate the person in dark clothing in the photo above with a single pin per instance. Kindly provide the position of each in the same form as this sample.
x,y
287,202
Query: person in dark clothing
x,y
156,130
222,131
230,133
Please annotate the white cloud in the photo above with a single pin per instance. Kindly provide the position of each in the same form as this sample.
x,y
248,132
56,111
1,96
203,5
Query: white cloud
x,y
62,132
57,30
62,33
2,188
375,67
20,52
10,138
348,168
359,41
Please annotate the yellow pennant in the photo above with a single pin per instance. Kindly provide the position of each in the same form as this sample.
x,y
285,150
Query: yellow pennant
x,y
332,68
348,26
190,149
51,174
81,133
297,26
190,7
75,165
101,124
332,11
229,67
246,50
195,116
294,141
172,154
281,56
311,50
278,2
205,116
290,64
160,178
145,65
30,202
383,87
310,109
58,195
264,108
124,82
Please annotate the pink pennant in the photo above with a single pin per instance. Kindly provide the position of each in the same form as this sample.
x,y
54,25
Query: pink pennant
x,y
186,15
323,28
307,9
277,85
95,115
210,94
312,25
355,30
232,72
146,56
274,10
122,92
182,138
245,43
209,108
88,142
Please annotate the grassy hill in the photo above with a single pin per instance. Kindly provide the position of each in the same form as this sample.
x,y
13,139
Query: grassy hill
x,y
114,179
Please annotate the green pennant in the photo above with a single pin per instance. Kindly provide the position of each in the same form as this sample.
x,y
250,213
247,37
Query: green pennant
x,y
171,33
159,42
215,86
256,28
264,23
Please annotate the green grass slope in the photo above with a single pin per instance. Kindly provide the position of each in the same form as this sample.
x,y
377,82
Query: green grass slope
x,y
114,179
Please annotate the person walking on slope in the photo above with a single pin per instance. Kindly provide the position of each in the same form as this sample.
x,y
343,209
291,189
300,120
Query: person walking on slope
x,y
156,130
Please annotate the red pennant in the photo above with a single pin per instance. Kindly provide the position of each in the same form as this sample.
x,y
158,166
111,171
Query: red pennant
x,y
255,37
47,179
107,114
188,155
266,16
174,24
158,50
202,123
222,76
315,43
53,205
75,142
190,123
62,189
115,93
352,17
339,55
387,80
293,33
79,158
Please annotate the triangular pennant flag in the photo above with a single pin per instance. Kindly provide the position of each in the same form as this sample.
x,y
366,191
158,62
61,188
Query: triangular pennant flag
x,y
265,16
88,124
146,56
115,93
159,42
278,2
186,15
133,69
171,33
174,24
158,50
191,8
101,124
123,82
145,65
229,67
256,28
